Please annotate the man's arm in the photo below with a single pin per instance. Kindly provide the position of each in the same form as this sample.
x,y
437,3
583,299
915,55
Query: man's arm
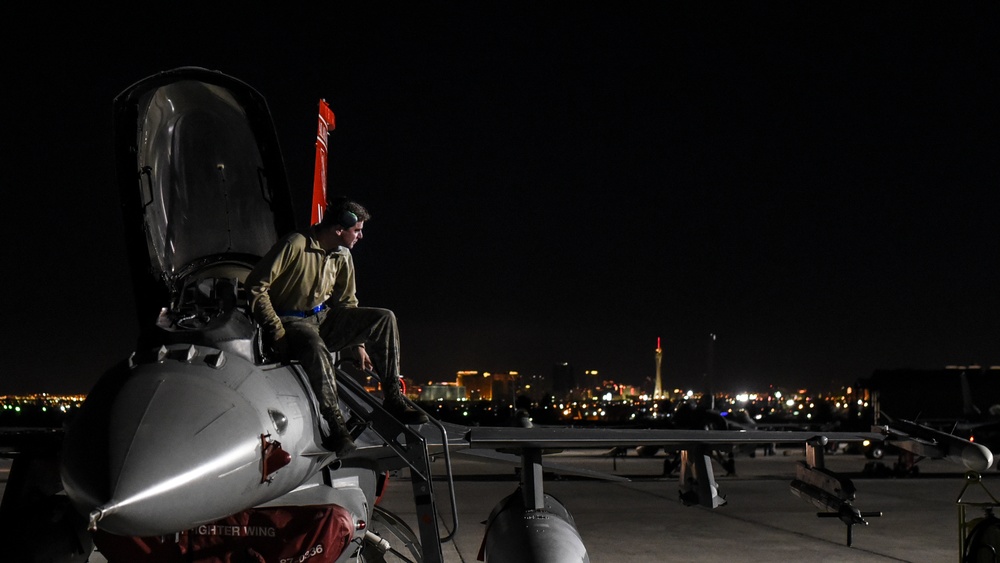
x,y
258,285
344,290
344,295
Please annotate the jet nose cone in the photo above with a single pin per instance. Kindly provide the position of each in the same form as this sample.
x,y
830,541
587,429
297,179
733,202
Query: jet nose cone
x,y
181,450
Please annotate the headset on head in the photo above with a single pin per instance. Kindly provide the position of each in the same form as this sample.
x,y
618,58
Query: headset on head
x,y
345,217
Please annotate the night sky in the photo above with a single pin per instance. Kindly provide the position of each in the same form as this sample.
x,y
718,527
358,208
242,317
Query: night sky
x,y
817,187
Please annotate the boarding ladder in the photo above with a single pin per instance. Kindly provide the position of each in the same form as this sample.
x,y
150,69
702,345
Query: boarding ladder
x,y
411,447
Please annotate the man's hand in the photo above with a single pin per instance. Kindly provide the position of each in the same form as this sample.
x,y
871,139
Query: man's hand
x,y
280,347
361,356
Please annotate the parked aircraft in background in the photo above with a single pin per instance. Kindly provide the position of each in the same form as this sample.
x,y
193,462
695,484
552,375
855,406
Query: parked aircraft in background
x,y
201,445
934,411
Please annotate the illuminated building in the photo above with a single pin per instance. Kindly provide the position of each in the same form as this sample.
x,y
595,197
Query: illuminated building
x,y
442,392
477,386
489,386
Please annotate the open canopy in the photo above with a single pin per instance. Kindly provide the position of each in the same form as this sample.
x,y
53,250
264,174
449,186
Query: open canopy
x,y
201,176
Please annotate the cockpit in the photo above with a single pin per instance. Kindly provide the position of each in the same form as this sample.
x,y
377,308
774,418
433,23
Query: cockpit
x,y
212,308
210,197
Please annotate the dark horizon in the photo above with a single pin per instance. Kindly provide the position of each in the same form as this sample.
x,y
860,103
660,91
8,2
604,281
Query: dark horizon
x,y
815,186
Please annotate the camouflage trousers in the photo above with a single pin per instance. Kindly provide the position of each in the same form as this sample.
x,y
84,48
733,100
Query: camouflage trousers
x,y
311,339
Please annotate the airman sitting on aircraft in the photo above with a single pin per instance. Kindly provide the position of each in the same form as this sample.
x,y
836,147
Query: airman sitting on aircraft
x,y
302,293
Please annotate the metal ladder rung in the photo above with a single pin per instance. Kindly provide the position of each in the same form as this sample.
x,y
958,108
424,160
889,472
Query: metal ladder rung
x,y
413,450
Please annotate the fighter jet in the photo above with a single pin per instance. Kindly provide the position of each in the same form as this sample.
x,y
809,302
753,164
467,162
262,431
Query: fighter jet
x,y
200,445
920,425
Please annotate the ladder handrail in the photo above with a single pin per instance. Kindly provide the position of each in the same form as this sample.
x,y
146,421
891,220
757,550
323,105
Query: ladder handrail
x,y
386,427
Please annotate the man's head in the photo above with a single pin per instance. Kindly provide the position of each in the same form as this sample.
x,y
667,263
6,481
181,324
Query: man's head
x,y
343,222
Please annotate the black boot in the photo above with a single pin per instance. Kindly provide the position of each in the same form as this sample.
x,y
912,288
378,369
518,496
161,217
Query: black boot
x,y
403,412
339,441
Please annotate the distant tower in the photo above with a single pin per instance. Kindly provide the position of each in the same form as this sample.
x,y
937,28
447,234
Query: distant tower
x,y
658,391
711,370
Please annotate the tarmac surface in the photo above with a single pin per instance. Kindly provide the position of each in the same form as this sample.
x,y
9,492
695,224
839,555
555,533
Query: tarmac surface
x,y
643,519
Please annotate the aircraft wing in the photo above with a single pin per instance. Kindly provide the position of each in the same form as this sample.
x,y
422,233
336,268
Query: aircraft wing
x,y
513,460
927,442
508,439
511,438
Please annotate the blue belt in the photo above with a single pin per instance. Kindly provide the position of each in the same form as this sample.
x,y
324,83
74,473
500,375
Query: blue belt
x,y
314,311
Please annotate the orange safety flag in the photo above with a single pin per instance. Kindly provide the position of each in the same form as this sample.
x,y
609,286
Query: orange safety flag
x,y
327,123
